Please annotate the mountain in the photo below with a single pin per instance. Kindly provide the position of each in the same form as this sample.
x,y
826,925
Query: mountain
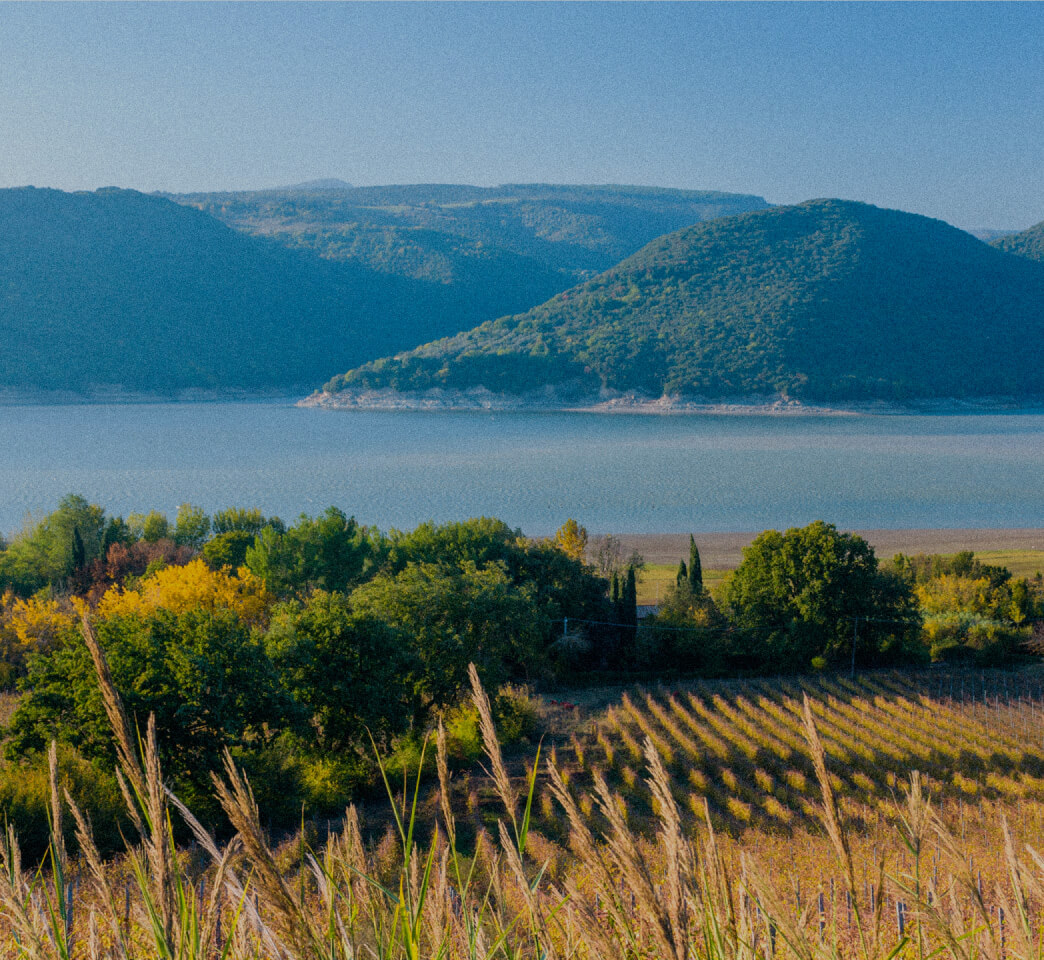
x,y
329,183
116,289
492,250
1029,243
826,300
989,234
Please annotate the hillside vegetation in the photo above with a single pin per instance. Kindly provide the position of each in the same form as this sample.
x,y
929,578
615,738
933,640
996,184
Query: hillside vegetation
x,y
1028,243
827,300
118,289
490,251
458,234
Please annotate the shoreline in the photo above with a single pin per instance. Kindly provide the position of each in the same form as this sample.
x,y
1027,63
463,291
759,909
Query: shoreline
x,y
480,400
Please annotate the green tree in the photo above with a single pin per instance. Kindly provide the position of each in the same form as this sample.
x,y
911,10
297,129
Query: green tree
x,y
79,552
202,673
116,531
350,673
250,520
687,633
228,549
450,617
192,526
797,595
682,576
629,599
150,527
42,553
331,552
695,567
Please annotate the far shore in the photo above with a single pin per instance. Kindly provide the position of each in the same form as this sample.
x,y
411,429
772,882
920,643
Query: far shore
x,y
724,551
549,400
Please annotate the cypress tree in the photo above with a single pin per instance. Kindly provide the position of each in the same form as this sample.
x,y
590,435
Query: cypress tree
x,y
79,552
630,598
695,568
683,573
615,595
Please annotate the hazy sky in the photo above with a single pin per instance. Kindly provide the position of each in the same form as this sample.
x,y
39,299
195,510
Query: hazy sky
x,y
936,108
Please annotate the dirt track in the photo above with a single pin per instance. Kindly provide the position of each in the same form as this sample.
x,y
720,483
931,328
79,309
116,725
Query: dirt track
x,y
720,551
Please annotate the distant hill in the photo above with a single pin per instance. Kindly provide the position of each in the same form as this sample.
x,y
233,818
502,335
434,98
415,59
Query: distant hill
x,y
827,300
330,183
1029,243
496,250
989,234
116,289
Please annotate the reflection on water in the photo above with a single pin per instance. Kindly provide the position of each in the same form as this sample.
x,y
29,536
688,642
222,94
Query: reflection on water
x,y
619,473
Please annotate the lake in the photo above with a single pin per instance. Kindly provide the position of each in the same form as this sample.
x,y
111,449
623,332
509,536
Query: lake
x,y
613,473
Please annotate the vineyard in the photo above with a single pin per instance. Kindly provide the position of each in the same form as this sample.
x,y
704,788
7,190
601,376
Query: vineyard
x,y
737,750
739,745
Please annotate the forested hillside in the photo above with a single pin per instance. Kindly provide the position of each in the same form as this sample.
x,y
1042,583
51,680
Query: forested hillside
x,y
487,251
827,300
540,234
119,289
1029,243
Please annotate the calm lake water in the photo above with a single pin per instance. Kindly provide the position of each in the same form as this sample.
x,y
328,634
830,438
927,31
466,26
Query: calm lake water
x,y
620,473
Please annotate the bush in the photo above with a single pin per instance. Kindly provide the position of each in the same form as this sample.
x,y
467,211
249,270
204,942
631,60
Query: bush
x,y
515,715
25,801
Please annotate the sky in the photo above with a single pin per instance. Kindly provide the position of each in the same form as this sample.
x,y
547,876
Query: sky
x,y
934,108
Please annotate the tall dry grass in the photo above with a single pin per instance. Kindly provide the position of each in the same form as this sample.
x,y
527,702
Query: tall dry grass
x,y
612,894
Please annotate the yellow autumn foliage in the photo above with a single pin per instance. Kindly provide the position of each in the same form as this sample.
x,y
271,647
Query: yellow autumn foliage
x,y
571,539
950,593
182,588
33,624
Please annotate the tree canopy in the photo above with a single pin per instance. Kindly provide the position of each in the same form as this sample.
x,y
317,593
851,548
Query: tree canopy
x,y
799,595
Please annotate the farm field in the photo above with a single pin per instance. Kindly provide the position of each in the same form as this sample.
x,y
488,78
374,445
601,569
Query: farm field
x,y
657,577
738,747
725,550
739,744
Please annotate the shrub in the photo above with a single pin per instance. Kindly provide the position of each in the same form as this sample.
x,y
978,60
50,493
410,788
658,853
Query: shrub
x,y
25,794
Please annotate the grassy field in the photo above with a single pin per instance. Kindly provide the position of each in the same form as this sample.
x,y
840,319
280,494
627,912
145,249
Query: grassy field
x,y
656,577
1021,563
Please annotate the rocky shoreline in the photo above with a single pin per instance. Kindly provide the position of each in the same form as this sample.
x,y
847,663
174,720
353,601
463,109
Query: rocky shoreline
x,y
550,400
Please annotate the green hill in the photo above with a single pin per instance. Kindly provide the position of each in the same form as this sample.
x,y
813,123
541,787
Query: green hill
x,y
491,250
1029,243
827,300
116,289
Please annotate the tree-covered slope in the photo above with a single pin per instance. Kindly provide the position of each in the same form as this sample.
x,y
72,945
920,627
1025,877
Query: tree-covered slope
x,y
1028,243
825,300
119,289
496,250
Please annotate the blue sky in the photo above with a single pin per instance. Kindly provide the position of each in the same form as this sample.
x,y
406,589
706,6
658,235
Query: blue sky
x,y
936,108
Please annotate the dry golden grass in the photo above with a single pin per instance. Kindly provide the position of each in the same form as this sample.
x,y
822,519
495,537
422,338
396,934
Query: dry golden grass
x,y
916,877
